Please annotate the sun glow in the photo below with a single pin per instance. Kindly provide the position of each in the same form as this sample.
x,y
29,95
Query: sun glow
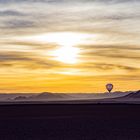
x,y
67,50
63,38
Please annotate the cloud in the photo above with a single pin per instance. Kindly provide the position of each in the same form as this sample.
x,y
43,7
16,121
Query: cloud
x,y
112,51
11,13
24,60
108,66
103,59
12,57
91,15
18,24
34,45
59,1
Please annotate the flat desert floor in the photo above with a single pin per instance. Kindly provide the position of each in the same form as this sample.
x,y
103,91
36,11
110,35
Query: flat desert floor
x,y
70,122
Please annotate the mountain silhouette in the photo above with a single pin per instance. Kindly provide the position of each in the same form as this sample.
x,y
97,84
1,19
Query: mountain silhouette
x,y
20,98
48,95
133,95
41,96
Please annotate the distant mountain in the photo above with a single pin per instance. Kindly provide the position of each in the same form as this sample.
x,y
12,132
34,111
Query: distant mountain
x,y
118,96
45,96
12,96
20,98
48,95
133,95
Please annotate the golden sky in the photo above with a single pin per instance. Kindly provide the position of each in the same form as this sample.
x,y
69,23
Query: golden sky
x,y
69,46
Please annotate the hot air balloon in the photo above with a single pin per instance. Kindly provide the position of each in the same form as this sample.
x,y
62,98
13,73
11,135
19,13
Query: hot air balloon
x,y
109,87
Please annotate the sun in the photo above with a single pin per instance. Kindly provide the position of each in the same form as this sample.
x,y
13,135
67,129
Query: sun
x,y
66,54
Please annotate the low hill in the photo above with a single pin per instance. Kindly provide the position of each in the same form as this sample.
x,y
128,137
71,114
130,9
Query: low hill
x,y
45,96
133,95
48,95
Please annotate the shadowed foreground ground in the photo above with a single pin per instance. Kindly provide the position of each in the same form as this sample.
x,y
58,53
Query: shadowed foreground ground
x,y
70,122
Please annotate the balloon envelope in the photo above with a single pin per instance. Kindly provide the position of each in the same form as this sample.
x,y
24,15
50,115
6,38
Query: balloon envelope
x,y
109,87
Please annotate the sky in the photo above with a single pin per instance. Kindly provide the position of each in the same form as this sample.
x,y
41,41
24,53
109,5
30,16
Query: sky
x,y
69,45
